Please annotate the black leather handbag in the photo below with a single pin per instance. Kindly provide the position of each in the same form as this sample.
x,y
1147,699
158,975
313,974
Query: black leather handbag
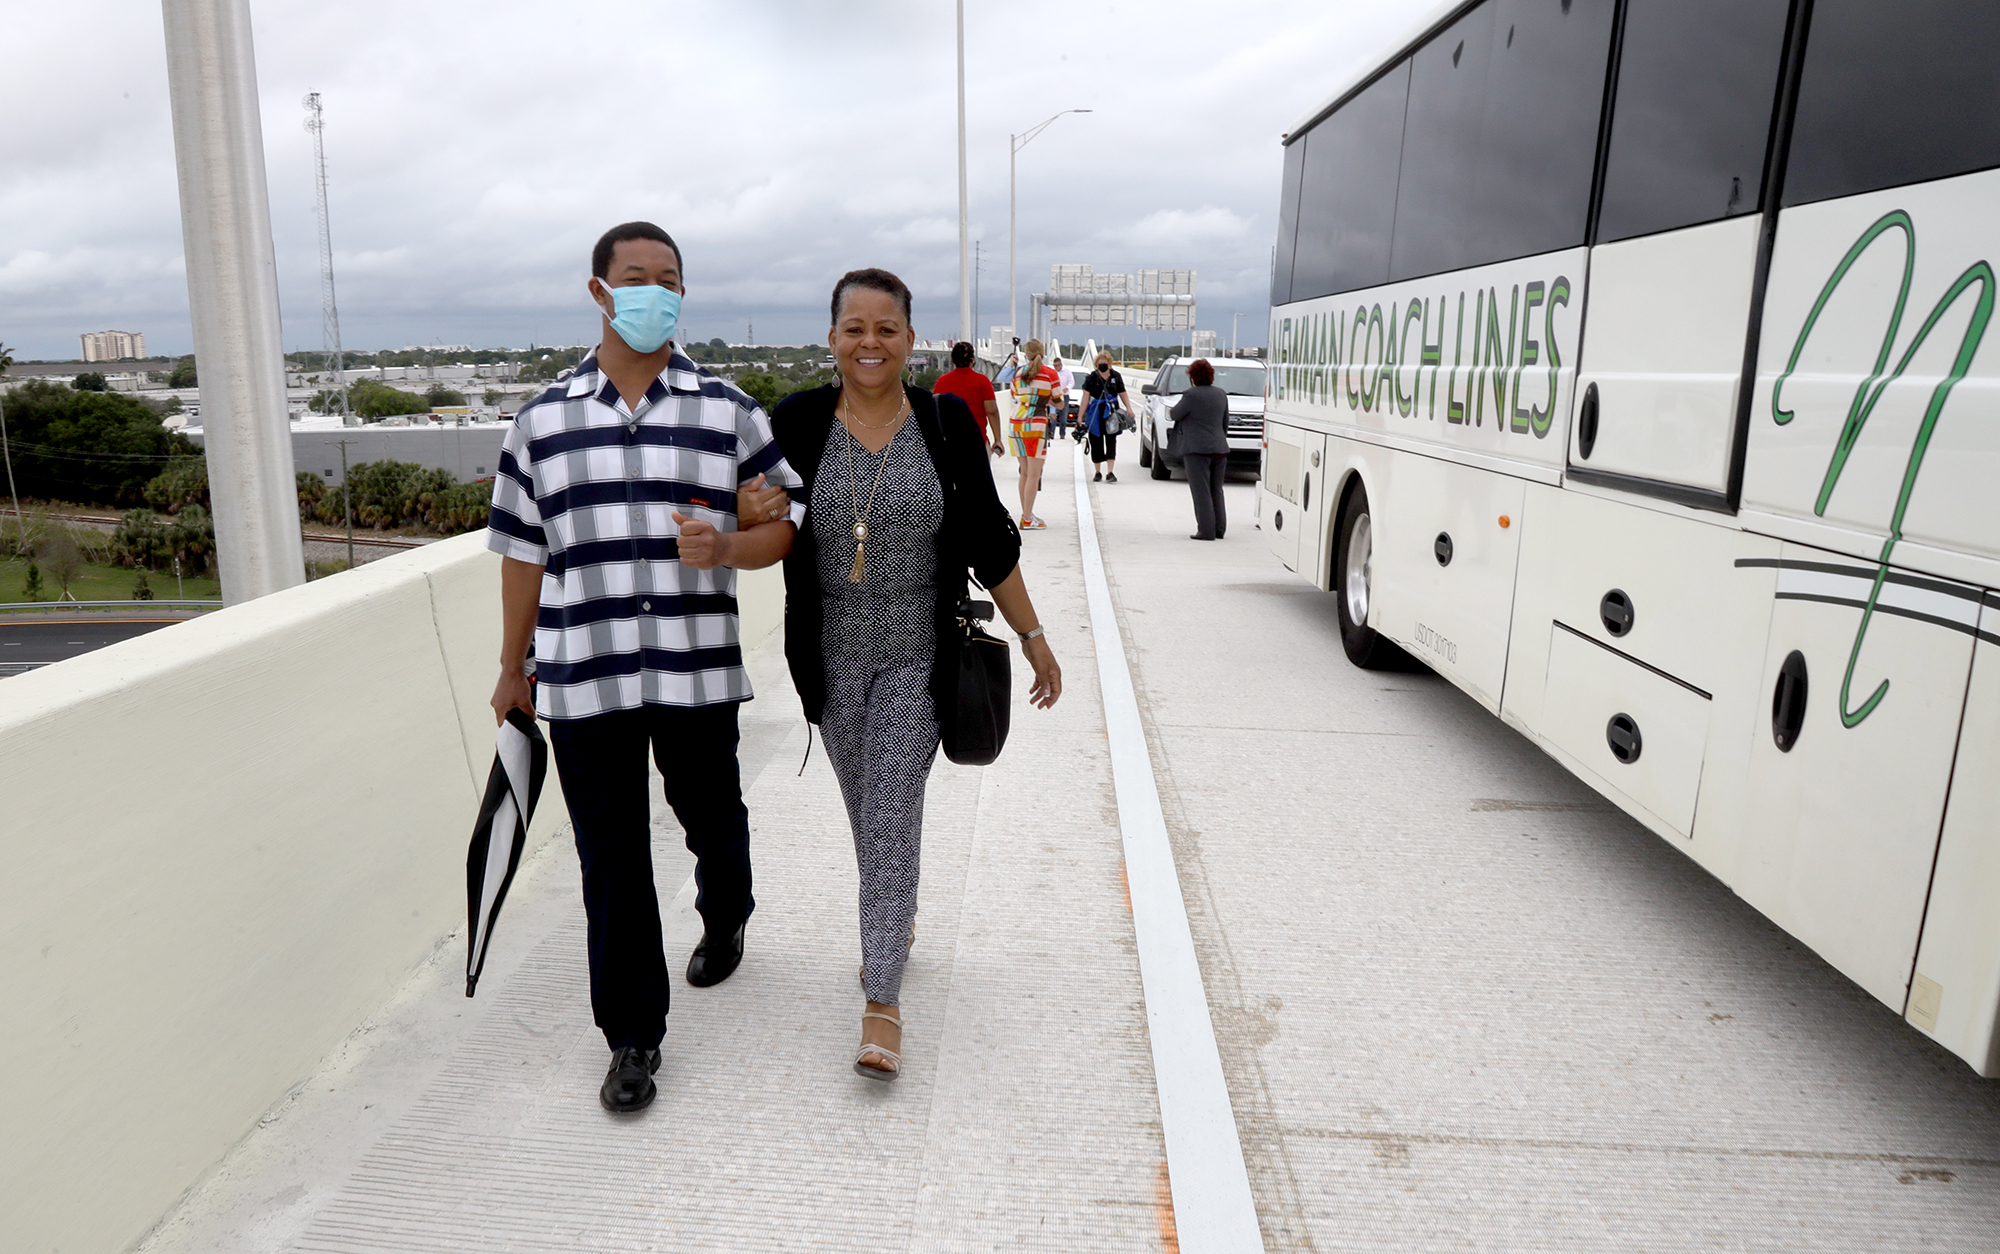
x,y
974,729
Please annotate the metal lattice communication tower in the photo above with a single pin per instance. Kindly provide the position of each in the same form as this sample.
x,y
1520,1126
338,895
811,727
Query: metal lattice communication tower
x,y
329,309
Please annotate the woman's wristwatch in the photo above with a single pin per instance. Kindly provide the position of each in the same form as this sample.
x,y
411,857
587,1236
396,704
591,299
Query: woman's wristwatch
x,y
1031,633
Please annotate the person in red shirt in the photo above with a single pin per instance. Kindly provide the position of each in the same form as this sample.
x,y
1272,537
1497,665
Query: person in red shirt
x,y
975,389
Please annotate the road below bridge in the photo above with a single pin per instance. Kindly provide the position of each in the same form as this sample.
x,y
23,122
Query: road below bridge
x,y
1461,1002
28,641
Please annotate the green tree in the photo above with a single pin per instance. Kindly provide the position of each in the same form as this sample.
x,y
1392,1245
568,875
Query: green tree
x,y
375,400
386,494
764,388
460,507
90,381
141,541
141,590
312,489
31,589
184,482
440,396
183,375
324,401
90,447
191,539
493,397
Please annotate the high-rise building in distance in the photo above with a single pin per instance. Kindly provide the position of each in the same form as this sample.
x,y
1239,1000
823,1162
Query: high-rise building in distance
x,y
113,345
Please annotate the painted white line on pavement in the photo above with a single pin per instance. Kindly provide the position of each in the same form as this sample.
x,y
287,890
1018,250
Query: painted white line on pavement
x,y
1213,1210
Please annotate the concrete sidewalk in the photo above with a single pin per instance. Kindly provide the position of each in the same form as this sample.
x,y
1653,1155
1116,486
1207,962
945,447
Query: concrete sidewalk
x,y
1464,1003
1026,1119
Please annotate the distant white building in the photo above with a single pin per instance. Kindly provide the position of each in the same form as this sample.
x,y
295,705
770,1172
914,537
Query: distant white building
x,y
112,345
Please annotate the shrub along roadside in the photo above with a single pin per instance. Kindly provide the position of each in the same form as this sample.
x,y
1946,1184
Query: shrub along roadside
x,y
401,494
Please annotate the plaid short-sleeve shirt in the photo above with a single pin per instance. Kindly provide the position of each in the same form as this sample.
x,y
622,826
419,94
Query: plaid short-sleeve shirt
x,y
586,488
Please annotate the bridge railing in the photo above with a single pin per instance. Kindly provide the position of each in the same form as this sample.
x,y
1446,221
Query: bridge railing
x,y
227,842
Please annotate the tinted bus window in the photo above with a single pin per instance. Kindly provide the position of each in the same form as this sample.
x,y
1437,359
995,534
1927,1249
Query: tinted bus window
x,y
1697,80
1442,139
1544,99
1347,191
1288,222
1893,94
1501,140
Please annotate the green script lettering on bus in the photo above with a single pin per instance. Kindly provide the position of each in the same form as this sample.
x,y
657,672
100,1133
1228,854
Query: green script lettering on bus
x,y
1869,391
1362,358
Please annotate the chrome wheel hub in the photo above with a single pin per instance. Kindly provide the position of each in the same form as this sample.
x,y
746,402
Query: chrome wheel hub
x,y
1354,581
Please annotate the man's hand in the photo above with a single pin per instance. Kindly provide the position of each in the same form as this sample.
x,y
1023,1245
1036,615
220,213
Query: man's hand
x,y
513,692
756,503
702,546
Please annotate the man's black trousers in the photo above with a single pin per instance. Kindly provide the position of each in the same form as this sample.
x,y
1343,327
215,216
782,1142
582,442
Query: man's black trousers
x,y
602,763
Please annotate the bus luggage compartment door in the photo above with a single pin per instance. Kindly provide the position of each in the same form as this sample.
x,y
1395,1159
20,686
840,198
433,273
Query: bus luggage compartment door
x,y
1955,993
1841,826
1631,730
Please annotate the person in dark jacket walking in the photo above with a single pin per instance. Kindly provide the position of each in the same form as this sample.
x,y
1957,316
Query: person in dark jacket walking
x,y
1202,418
900,503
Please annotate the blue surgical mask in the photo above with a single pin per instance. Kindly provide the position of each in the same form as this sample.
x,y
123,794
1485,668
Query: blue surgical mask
x,y
645,317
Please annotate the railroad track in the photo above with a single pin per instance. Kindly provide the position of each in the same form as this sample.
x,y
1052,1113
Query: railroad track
x,y
324,537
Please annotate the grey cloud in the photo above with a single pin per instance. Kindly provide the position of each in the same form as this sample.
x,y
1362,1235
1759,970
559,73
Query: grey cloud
x,y
476,150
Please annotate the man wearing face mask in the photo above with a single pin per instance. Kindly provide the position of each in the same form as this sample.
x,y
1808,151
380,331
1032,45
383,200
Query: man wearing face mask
x,y
614,511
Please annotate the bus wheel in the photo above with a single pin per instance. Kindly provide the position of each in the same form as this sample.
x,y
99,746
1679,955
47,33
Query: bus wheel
x,y
1353,560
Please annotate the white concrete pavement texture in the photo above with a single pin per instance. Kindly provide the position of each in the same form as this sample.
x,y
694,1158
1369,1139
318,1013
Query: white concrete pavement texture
x,y
1026,1119
1464,1003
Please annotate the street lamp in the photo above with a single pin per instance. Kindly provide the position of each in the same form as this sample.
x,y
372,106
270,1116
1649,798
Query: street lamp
x,y
965,279
1015,143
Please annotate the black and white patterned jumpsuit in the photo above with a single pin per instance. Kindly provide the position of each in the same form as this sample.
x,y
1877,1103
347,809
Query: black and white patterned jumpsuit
x,y
879,640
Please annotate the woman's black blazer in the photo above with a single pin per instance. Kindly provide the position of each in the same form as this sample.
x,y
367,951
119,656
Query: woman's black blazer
x,y
978,533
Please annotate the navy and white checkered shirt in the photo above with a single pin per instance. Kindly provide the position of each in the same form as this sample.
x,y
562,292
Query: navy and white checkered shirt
x,y
586,488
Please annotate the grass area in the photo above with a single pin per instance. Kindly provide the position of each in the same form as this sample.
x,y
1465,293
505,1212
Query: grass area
x,y
97,582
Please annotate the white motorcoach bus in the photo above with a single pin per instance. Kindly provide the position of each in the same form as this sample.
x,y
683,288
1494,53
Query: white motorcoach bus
x,y
1631,367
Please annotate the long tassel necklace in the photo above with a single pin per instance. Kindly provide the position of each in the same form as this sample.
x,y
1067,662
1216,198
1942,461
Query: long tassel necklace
x,y
861,511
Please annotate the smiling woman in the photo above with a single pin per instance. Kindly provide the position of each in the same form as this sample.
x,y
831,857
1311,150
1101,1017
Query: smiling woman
x,y
900,507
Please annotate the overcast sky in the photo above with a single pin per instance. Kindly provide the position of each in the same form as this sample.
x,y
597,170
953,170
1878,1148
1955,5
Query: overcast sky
x,y
476,150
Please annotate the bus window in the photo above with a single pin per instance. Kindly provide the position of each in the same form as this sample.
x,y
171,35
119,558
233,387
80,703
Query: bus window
x,y
1544,101
1347,191
1435,212
1697,81
1501,138
1894,94
1288,222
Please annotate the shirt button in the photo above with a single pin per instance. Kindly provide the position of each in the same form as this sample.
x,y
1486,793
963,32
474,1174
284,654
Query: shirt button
x,y
645,605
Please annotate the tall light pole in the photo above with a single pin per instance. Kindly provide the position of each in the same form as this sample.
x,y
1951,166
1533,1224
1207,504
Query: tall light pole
x,y
232,276
964,229
1015,143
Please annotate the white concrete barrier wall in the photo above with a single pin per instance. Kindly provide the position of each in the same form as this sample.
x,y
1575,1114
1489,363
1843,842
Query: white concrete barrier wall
x,y
225,843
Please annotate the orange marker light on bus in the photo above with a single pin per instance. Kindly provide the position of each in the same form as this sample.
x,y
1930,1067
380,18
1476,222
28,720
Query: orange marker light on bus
x,y
1506,521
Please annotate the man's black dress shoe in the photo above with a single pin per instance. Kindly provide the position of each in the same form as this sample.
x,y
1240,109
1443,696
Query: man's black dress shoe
x,y
715,960
628,1086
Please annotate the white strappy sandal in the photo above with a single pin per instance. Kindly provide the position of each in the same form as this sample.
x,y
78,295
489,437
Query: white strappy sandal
x,y
879,1073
